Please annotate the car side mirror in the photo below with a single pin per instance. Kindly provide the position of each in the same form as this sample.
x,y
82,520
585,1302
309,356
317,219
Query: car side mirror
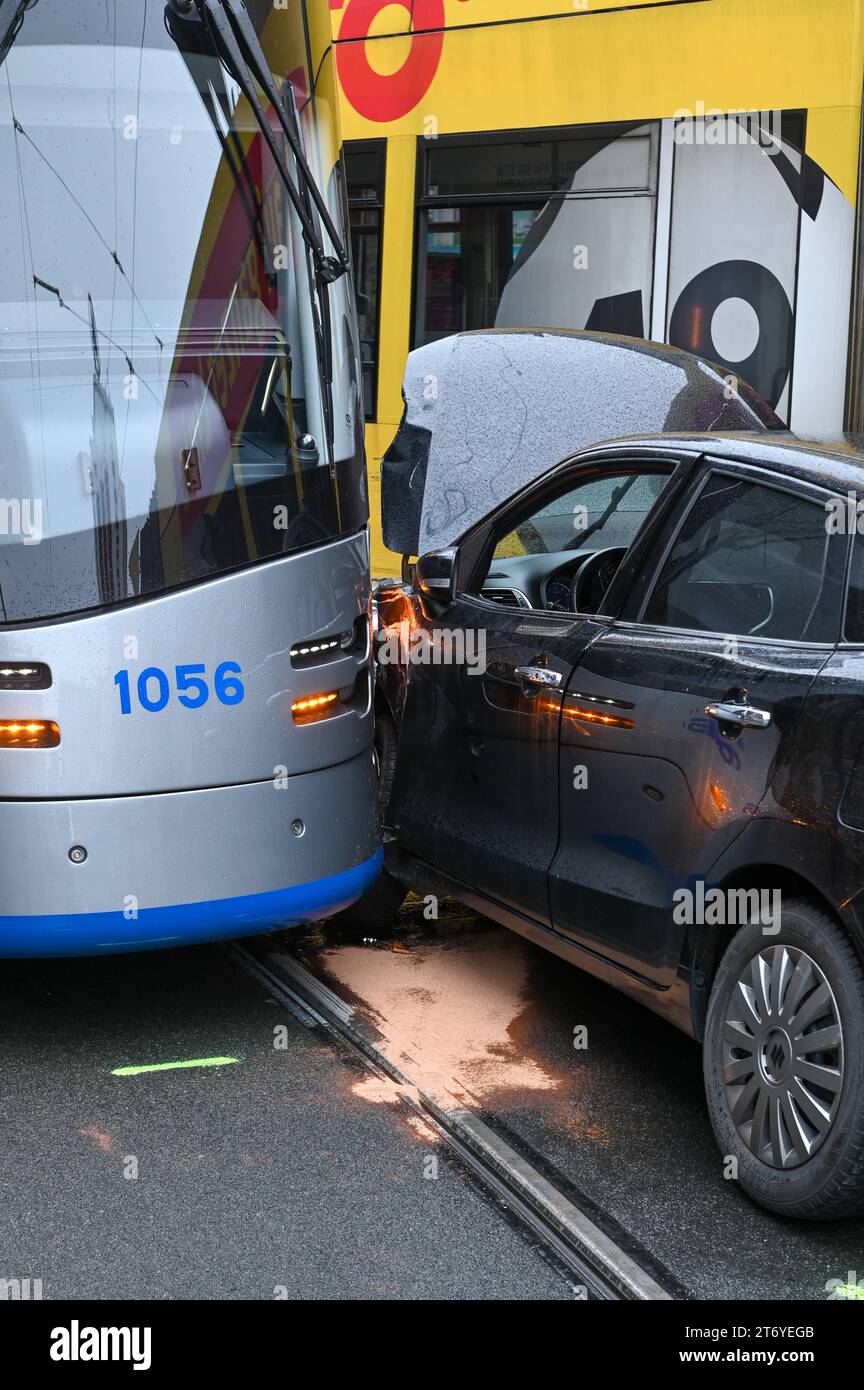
x,y
435,575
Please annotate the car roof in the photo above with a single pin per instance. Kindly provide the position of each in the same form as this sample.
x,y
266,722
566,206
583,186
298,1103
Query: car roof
x,y
835,462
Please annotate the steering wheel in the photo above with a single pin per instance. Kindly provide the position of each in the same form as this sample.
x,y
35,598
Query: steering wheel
x,y
594,577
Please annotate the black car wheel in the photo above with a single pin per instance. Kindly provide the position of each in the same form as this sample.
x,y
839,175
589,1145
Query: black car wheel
x,y
377,908
784,1064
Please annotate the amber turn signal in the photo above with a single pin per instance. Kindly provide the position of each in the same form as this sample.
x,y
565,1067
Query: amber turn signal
x,y
313,707
29,733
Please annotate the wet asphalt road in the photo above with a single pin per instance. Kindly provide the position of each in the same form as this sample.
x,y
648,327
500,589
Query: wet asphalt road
x,y
269,1177
620,1123
285,1173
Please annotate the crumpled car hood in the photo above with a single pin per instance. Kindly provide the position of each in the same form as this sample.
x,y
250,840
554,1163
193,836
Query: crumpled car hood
x,y
487,412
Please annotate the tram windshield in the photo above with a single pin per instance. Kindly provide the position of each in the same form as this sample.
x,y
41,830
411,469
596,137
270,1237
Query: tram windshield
x,y
179,388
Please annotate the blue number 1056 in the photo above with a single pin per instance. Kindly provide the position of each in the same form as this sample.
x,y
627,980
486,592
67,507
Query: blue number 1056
x,y
153,690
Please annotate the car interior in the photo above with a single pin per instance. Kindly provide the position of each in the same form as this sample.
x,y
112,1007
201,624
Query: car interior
x,y
564,556
748,559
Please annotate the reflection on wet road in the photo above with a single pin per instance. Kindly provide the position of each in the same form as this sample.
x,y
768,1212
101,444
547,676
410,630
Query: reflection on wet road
x,y
492,1020
447,1011
271,1164
258,1172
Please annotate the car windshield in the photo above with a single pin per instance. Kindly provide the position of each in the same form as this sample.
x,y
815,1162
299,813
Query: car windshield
x,y
162,385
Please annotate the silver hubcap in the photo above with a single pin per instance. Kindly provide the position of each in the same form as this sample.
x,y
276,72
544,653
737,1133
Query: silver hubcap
x,y
783,1056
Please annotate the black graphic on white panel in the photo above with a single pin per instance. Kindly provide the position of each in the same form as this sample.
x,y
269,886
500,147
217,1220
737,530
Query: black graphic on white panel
x,y
733,254
730,306
588,260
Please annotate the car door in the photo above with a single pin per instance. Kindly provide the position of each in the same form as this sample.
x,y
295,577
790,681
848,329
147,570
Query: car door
x,y
674,719
476,786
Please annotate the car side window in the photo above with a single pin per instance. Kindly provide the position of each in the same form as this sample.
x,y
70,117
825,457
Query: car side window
x,y
603,512
538,560
749,560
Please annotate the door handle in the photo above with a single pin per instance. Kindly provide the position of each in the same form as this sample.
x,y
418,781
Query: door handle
x,y
747,716
539,675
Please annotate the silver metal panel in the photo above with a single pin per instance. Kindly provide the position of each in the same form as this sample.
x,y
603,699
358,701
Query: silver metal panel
x,y
251,617
189,847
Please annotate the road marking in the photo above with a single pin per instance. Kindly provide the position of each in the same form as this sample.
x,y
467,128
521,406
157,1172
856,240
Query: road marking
x,y
175,1066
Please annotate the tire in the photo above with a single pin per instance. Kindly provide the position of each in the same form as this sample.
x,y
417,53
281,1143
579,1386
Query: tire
x,y
799,1155
375,911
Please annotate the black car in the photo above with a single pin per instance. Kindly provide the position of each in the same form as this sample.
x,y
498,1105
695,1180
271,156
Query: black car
x,y
630,712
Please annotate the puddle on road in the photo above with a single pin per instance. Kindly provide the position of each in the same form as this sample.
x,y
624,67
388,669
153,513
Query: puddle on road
x,y
492,1018
447,1009
381,1090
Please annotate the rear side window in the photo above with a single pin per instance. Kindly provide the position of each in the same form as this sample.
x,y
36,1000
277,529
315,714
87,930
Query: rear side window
x,y
751,561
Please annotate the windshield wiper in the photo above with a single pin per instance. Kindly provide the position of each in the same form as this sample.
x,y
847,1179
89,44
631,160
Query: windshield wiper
x,y
223,30
617,496
11,19
237,45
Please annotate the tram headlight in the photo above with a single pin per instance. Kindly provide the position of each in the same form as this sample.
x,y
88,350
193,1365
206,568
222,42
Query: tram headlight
x,y
24,675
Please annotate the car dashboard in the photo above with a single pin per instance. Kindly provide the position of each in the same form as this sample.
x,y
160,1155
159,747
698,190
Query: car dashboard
x,y
548,581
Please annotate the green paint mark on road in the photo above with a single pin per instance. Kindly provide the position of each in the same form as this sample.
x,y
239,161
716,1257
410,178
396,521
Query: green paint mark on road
x,y
175,1066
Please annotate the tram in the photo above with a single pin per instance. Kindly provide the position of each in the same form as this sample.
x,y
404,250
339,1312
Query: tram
x,y
185,620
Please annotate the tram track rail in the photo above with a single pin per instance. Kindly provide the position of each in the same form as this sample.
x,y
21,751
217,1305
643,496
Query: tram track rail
x,y
590,1255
